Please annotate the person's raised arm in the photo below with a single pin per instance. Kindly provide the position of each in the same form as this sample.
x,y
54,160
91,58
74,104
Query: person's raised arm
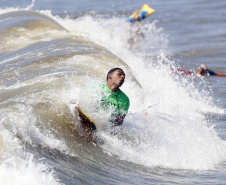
x,y
119,119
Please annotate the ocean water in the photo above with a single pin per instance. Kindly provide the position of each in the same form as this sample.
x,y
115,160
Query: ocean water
x,y
53,52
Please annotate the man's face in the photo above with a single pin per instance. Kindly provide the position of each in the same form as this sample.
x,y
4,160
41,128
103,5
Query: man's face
x,y
117,77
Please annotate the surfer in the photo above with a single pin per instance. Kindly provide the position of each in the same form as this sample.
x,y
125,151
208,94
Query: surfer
x,y
204,71
135,33
113,96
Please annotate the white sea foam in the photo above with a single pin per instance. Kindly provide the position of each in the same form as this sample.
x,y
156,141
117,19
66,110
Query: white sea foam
x,y
18,167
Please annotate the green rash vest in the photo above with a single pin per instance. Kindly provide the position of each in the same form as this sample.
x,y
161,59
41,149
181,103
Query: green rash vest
x,y
118,99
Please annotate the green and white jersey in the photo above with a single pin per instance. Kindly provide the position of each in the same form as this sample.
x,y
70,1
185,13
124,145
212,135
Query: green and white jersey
x,y
117,99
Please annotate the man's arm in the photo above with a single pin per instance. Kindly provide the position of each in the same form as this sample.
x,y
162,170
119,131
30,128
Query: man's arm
x,y
119,119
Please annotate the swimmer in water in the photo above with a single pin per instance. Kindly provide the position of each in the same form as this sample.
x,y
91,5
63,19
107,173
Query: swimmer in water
x,y
204,71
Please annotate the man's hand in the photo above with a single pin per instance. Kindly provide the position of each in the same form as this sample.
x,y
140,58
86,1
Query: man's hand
x,y
119,119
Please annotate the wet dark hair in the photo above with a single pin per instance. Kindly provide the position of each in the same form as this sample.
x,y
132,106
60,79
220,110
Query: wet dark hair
x,y
112,71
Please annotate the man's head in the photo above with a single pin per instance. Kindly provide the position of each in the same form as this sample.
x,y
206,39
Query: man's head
x,y
116,76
